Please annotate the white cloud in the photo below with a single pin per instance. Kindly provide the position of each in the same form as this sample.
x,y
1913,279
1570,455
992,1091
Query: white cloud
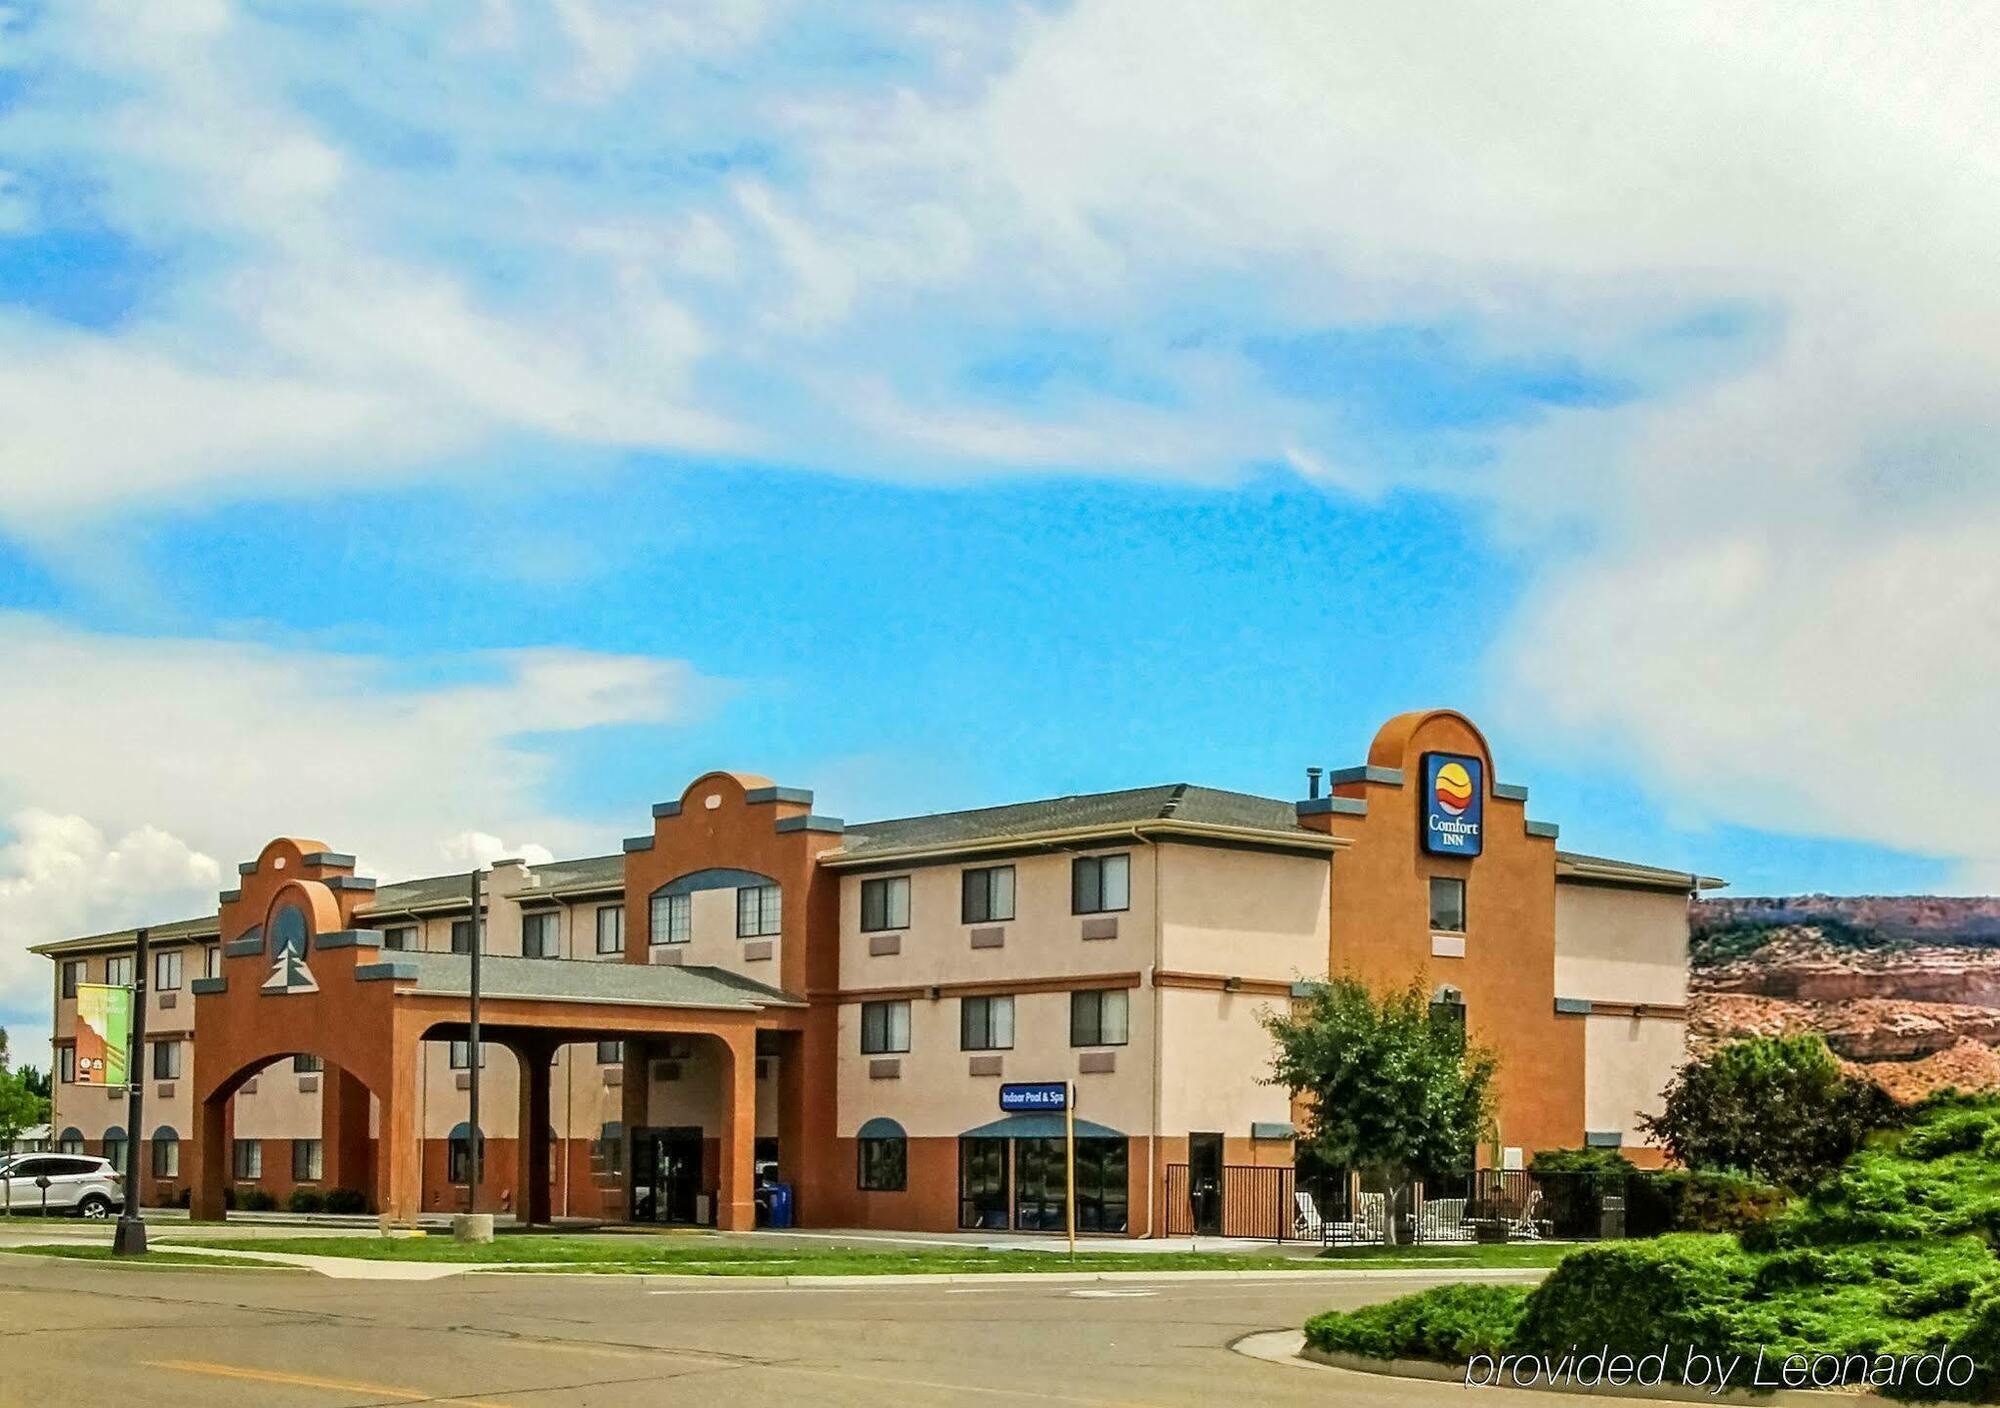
x,y
194,753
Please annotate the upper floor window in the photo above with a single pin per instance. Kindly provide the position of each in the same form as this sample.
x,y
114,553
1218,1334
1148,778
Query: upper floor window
x,y
538,935
305,1063
401,938
66,1064
461,936
885,1027
758,913
1447,905
885,903
611,928
986,895
672,919
118,970
1100,884
166,1060
72,974
461,1055
986,1023
610,1053
211,961
1099,1017
167,970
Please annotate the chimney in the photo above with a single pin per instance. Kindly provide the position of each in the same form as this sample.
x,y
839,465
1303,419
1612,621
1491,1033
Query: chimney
x,y
1312,782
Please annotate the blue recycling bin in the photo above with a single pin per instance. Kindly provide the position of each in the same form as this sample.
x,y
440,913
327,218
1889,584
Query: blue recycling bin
x,y
781,1205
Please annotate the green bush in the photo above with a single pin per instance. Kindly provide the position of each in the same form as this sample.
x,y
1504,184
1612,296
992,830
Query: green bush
x,y
1574,1184
256,1200
1683,1200
346,1200
1893,1255
1445,1322
307,1200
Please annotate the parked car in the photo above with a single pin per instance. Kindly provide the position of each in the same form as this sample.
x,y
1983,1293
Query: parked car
x,y
89,1187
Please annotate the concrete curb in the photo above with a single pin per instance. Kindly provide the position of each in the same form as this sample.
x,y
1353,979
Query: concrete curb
x,y
1289,1347
970,1278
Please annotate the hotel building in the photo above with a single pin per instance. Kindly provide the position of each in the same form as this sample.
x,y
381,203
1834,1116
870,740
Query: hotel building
x,y
751,990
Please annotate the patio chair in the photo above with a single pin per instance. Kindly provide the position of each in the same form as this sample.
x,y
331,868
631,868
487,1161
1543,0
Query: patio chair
x,y
1307,1224
1370,1222
1525,1227
1443,1220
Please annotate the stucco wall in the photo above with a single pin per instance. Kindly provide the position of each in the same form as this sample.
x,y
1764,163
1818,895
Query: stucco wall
x,y
1621,945
1246,913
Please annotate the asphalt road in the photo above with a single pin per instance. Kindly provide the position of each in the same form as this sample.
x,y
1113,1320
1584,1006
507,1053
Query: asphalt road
x,y
92,1334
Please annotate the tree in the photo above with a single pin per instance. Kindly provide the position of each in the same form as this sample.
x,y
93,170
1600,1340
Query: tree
x,y
20,1108
36,1080
1388,1088
1777,1108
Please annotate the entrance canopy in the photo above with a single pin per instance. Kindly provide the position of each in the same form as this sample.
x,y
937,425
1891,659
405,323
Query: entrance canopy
x,y
1040,1124
575,980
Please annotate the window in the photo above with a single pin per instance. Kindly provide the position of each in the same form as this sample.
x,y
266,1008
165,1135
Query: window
x,y
982,1183
308,1161
66,1064
166,1154
118,971
757,912
1100,884
607,1151
70,1143
305,1064
538,935
986,1024
248,1159
211,961
400,939
885,903
114,1148
461,1056
458,1154
72,974
166,1060
611,928
884,1164
1447,905
1041,1184
1448,1015
1098,1017
987,895
610,1053
885,1027
672,920
167,970
461,936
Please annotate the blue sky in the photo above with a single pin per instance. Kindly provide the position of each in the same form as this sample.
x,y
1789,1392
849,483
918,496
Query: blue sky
x,y
529,406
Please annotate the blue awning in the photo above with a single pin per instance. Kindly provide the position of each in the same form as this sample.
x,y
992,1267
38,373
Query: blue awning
x,y
1041,1124
879,1128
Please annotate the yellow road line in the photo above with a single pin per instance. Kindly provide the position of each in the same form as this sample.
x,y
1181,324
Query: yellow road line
x,y
268,1376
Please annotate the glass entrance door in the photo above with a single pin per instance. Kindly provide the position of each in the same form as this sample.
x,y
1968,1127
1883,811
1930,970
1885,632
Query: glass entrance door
x,y
666,1174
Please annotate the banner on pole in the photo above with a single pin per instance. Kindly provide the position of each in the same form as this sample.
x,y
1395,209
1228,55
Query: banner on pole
x,y
103,1034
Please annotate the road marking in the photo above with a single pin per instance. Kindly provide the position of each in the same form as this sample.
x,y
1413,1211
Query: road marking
x,y
267,1376
1111,1295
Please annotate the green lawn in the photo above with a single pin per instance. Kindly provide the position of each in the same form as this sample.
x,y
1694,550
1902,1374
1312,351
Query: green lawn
x,y
700,1255
161,1258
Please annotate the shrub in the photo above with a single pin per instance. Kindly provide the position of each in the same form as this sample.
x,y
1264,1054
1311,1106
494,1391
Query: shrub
x,y
307,1200
345,1200
256,1200
1574,1184
1445,1322
1682,1200
1636,1296
1778,1108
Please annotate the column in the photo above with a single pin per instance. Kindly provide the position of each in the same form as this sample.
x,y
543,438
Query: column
x,y
635,1081
792,1117
736,1209
531,1182
205,1159
346,1156
401,1145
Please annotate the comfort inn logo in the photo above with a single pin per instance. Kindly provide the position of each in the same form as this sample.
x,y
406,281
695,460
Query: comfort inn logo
x,y
1454,804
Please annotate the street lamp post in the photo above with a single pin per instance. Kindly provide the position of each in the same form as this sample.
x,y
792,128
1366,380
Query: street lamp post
x,y
130,1238
473,1058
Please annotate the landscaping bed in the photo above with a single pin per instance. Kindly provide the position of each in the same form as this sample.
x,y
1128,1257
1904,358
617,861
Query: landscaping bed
x,y
1893,1256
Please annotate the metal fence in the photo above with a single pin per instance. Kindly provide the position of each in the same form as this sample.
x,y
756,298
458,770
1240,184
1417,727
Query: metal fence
x,y
1480,1205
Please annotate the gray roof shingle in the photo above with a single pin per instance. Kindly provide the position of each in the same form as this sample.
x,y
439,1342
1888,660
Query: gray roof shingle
x,y
1180,801
588,980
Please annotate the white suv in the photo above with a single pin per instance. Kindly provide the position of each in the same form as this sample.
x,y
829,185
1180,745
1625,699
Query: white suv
x,y
75,1183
